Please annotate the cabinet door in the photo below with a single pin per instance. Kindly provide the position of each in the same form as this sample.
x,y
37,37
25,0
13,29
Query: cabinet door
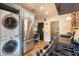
x,y
28,45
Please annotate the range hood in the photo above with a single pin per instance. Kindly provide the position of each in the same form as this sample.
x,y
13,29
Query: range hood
x,y
64,8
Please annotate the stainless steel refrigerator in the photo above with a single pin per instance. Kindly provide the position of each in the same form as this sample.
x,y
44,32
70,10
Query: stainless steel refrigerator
x,y
28,35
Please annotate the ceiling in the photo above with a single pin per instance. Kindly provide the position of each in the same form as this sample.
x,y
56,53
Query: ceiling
x,y
41,10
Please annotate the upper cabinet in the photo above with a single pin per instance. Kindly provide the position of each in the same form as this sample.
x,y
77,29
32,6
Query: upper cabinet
x,y
28,15
75,20
9,7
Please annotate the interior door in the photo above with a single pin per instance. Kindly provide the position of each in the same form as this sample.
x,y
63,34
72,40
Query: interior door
x,y
54,29
40,31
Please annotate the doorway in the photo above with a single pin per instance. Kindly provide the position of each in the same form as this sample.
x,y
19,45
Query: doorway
x,y
40,31
54,30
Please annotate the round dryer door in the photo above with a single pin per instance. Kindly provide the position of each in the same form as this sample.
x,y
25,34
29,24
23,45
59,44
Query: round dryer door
x,y
9,22
10,47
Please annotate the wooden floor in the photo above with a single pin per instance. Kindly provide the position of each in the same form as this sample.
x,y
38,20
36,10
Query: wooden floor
x,y
37,46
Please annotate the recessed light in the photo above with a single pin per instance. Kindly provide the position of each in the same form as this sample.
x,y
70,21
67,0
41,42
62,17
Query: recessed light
x,y
41,8
68,18
46,12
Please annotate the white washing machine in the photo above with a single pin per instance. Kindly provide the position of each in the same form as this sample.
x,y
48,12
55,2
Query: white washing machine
x,y
10,46
9,24
10,41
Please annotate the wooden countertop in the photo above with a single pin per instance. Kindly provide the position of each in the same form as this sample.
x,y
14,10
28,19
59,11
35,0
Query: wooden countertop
x,y
37,46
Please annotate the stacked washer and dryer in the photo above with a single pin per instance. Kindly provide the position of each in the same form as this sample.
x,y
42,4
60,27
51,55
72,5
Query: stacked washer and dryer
x,y
10,43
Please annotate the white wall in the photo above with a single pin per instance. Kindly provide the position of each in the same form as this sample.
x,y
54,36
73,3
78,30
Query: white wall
x,y
47,31
64,25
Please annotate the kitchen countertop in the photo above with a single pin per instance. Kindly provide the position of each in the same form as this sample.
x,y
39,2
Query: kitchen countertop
x,y
36,47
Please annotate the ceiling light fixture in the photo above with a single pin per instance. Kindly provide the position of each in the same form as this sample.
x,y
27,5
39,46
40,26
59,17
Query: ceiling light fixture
x,y
46,12
68,18
41,8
